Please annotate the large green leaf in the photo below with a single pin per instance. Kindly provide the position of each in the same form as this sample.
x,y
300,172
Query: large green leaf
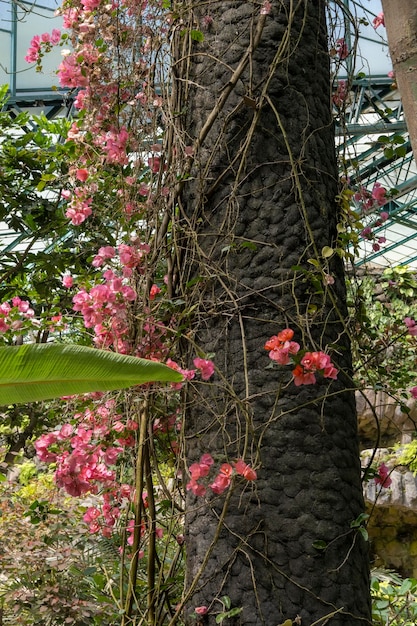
x,y
42,371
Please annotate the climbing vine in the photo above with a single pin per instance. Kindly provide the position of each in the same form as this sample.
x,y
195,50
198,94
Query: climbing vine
x,y
116,183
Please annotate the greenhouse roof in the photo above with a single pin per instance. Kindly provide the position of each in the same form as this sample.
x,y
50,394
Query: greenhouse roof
x,y
372,141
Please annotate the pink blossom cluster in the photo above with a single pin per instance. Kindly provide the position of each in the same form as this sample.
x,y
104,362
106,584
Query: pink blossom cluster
x,y
114,144
79,207
205,366
38,42
311,363
103,517
379,20
413,392
106,106
105,309
132,256
13,316
281,347
411,326
85,455
222,480
266,7
67,281
284,351
383,476
201,610
371,201
368,233
341,49
340,94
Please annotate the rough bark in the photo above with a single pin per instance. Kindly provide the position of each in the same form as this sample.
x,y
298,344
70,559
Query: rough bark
x,y
401,24
261,201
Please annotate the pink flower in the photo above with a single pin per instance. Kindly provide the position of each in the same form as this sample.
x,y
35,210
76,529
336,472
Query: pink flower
x,y
341,93
413,392
379,194
366,233
207,459
196,488
201,469
79,214
266,8
245,470
81,175
304,372
342,49
379,20
65,432
154,292
201,610
280,346
383,478
91,514
220,484
32,54
55,36
205,366
411,326
67,281
154,163
70,73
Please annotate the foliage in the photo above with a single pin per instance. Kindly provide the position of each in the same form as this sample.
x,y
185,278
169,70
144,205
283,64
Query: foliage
x,y
394,600
34,372
34,174
385,355
407,455
100,194
49,572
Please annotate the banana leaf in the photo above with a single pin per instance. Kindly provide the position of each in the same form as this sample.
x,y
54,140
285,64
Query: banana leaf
x,y
35,372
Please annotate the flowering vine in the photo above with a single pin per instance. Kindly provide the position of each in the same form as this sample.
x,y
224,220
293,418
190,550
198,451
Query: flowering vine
x,y
120,171
284,351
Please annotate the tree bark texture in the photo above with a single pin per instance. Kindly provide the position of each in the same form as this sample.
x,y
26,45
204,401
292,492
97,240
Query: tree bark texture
x,y
255,214
401,24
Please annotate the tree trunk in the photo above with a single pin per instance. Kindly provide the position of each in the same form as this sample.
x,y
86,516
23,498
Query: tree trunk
x,y
257,211
401,24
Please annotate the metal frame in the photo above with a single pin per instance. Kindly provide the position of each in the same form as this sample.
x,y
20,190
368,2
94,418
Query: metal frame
x,y
373,109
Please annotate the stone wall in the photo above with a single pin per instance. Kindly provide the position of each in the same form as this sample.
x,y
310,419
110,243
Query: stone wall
x,y
393,512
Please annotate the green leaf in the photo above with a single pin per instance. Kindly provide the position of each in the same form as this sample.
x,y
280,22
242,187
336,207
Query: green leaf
x,y
356,523
319,544
401,151
34,372
383,139
327,252
197,35
235,611
363,532
227,602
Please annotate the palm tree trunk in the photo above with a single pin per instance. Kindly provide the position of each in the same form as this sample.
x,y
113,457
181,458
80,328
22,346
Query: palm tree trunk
x,y
256,212
401,24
